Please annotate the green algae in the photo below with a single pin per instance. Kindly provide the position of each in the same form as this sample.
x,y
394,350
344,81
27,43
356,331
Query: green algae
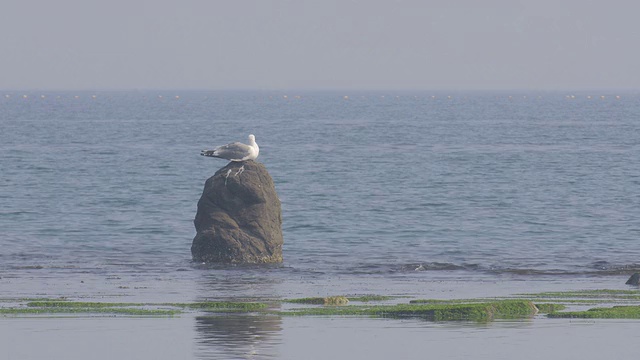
x,y
433,312
573,301
607,294
548,308
451,311
309,300
370,298
589,297
453,301
82,307
553,304
196,305
219,305
58,306
81,310
79,304
20,300
338,300
616,312
330,300
544,307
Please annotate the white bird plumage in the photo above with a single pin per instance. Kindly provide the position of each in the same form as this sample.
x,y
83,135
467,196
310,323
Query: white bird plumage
x,y
235,151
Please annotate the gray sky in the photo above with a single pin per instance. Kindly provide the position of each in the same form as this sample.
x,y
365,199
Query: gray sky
x,y
322,44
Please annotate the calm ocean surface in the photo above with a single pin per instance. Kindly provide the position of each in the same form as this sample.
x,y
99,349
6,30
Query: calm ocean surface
x,y
380,191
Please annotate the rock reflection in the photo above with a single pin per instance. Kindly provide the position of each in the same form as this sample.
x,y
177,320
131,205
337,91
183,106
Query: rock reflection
x,y
238,336
239,281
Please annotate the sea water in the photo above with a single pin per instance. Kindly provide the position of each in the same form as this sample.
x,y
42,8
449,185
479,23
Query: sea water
x,y
388,189
415,194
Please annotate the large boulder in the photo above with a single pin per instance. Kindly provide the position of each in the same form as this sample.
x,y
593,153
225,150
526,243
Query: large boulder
x,y
239,219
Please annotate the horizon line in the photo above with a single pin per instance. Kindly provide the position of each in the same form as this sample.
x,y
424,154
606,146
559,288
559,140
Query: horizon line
x,y
320,89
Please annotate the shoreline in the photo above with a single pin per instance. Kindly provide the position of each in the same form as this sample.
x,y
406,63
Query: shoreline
x,y
371,326
598,303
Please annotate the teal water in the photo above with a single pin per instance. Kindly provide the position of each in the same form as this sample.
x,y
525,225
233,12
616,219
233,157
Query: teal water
x,y
379,191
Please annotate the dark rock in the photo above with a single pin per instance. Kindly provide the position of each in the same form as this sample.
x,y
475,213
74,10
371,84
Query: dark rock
x,y
239,219
634,279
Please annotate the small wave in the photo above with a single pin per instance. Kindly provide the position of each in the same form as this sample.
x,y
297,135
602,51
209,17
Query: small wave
x,y
438,266
28,267
16,213
594,269
605,267
233,266
410,267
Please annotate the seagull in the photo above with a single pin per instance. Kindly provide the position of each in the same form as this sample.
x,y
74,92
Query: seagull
x,y
235,151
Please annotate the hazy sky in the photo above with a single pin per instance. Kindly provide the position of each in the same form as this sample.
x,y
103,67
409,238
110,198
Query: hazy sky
x,y
322,44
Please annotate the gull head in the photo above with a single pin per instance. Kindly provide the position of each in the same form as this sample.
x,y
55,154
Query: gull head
x,y
252,138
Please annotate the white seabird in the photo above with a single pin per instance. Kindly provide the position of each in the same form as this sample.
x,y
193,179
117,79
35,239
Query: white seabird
x,y
235,151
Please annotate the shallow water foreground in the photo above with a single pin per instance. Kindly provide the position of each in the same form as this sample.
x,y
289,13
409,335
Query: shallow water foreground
x,y
275,337
271,334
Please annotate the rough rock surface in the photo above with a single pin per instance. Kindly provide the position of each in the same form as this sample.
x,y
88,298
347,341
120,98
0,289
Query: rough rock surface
x,y
239,218
634,279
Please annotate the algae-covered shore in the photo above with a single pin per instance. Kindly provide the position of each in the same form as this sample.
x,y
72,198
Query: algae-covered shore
x,y
323,326
316,320
604,304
